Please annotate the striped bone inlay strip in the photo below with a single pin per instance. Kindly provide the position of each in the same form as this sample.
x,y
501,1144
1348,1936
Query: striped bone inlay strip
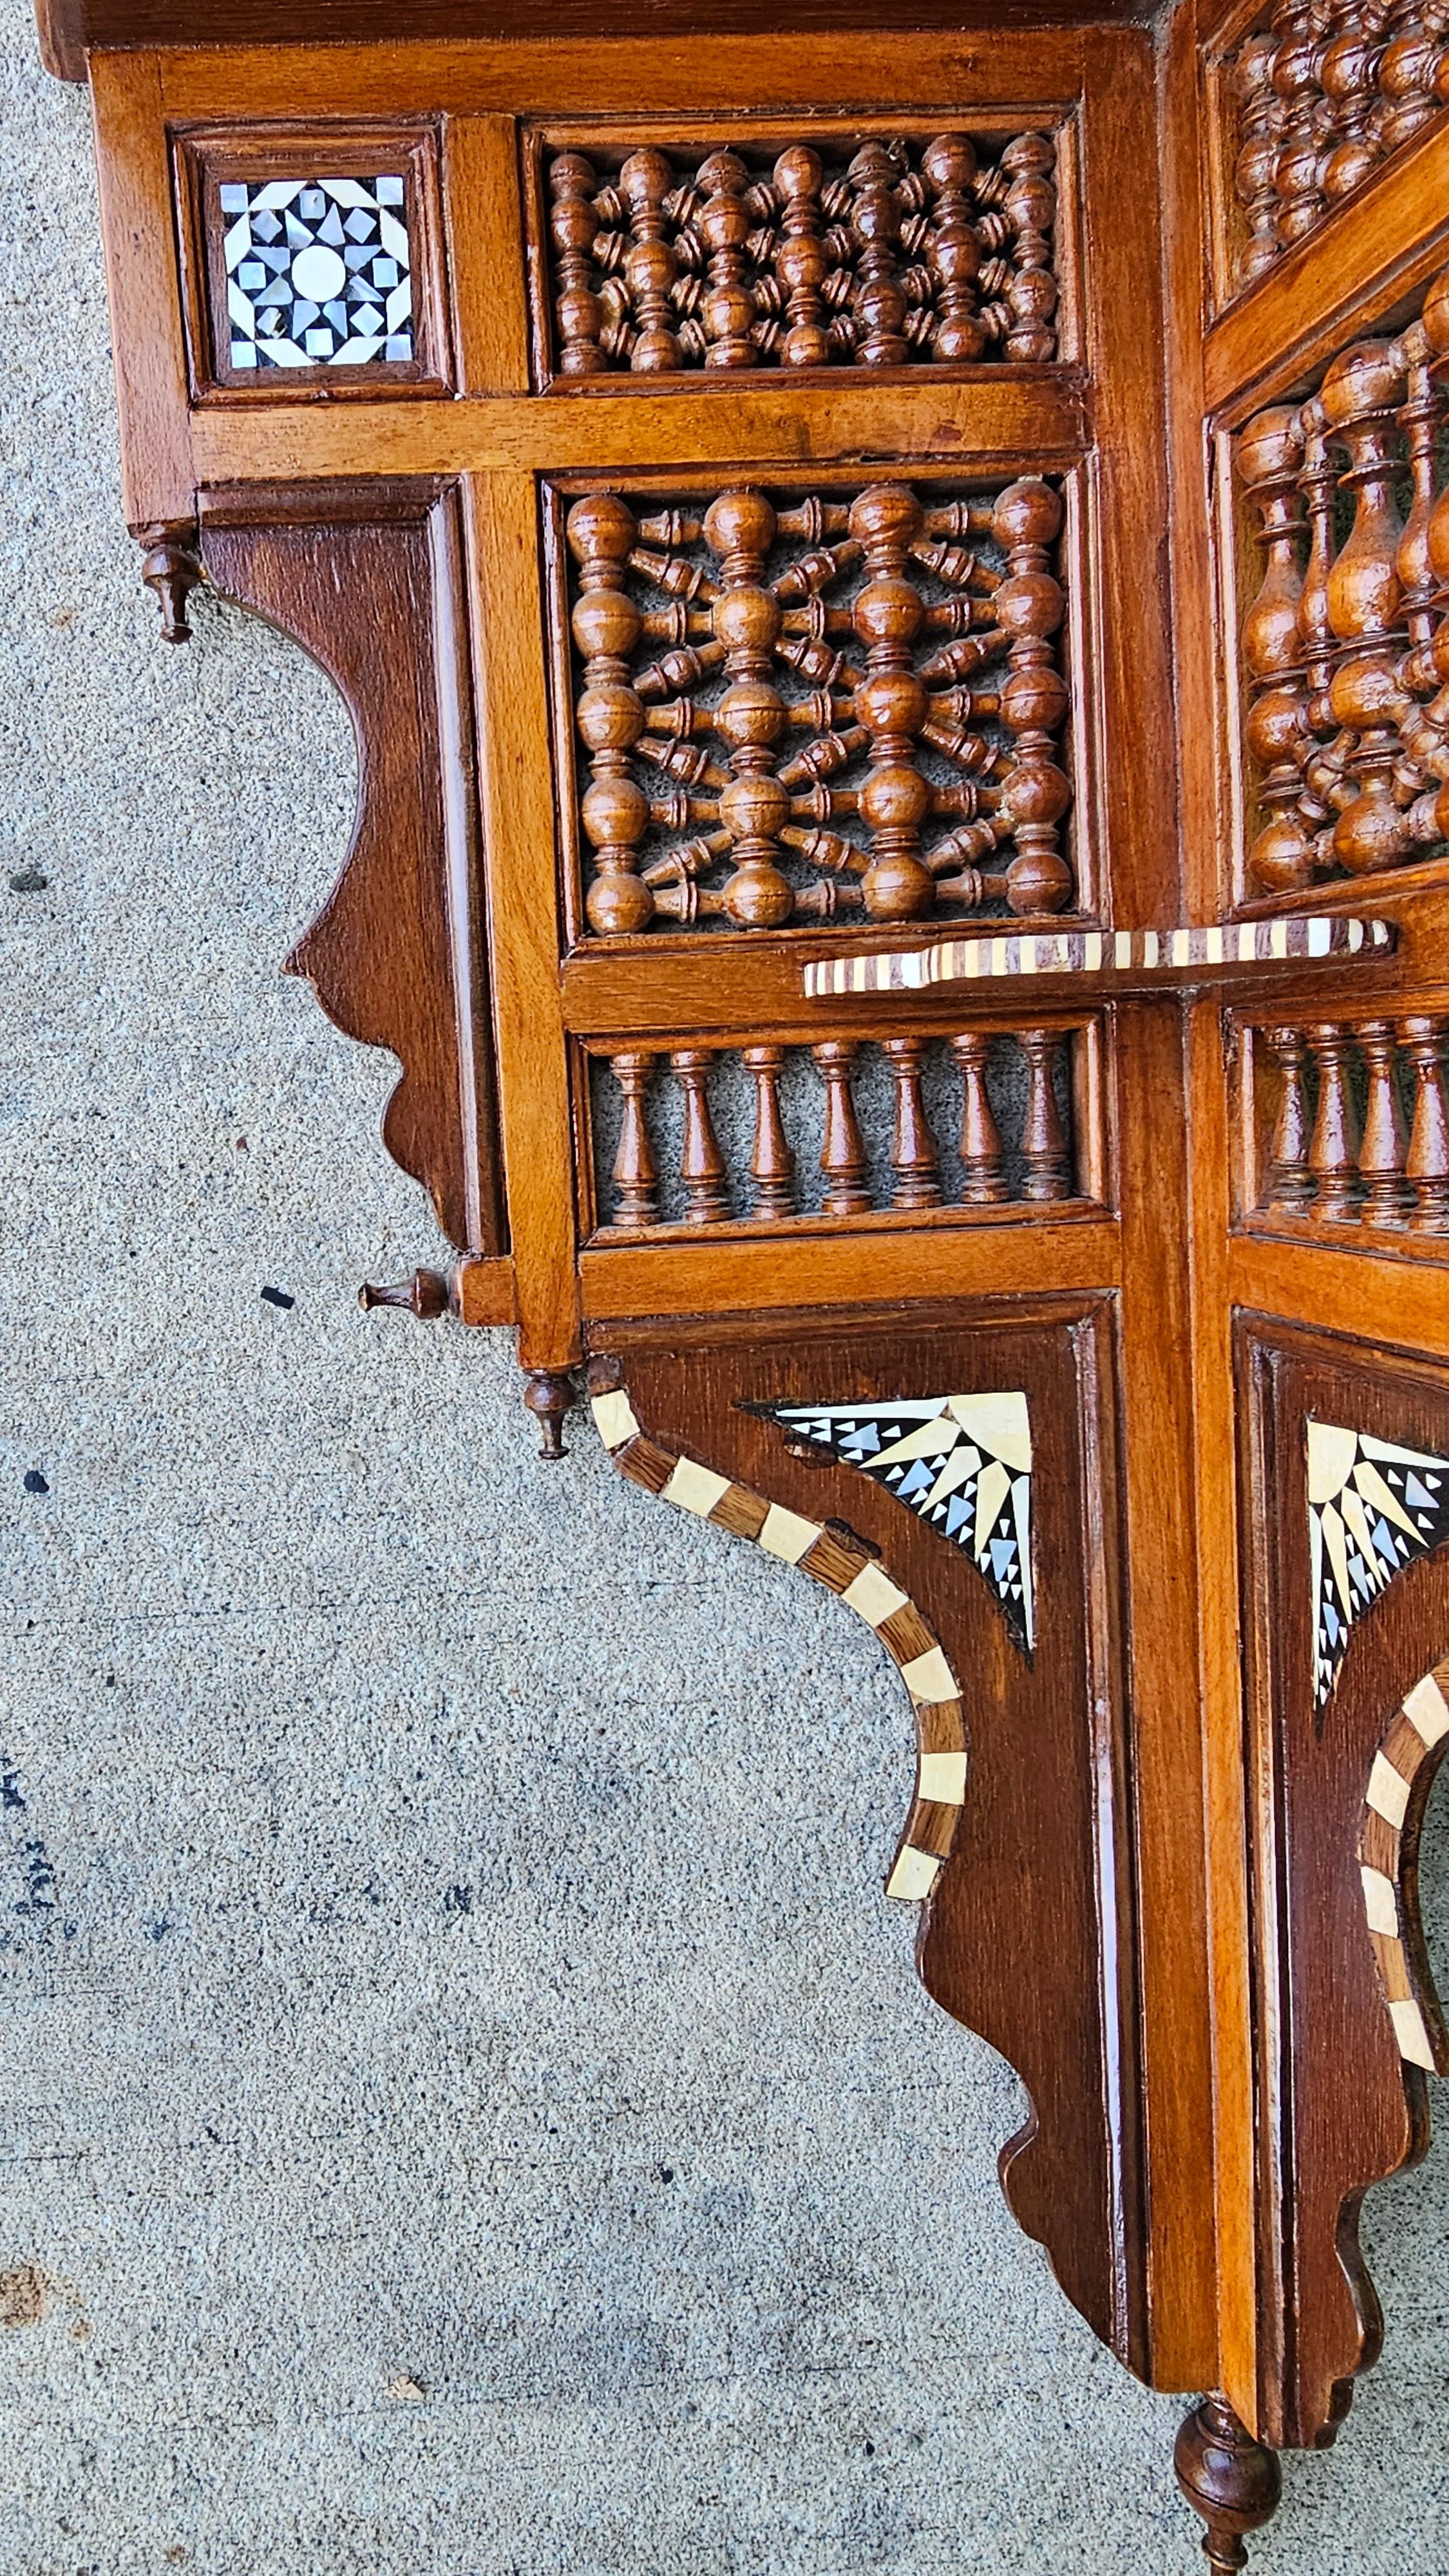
x,y
831,1556
1095,952
1416,1733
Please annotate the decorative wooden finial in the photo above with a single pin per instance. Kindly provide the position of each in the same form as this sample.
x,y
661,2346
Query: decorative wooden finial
x,y
425,1295
1229,2477
550,1396
172,569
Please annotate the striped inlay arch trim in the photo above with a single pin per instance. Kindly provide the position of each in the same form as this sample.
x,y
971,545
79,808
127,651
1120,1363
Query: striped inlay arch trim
x,y
832,1556
1403,1770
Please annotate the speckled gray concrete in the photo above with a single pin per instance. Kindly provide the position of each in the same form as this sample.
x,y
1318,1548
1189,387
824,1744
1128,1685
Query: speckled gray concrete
x,y
469,2121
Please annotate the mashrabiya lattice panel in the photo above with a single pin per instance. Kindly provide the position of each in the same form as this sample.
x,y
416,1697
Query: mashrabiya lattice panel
x,y
961,1462
1372,1508
908,647
319,272
872,254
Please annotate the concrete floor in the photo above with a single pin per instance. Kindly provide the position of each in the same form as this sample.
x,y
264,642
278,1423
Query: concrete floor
x,y
457,2121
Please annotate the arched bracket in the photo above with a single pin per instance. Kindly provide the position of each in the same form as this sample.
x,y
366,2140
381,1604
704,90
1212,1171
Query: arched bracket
x,y
832,1555
1404,1768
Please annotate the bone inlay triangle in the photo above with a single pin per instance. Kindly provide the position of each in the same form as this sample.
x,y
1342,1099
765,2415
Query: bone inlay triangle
x,y
1372,1508
960,1462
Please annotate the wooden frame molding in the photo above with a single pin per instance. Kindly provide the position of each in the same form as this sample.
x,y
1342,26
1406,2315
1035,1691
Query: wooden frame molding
x,y
903,729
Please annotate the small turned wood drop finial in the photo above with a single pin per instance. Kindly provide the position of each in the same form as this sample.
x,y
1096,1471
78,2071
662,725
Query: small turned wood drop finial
x,y
550,1396
425,1295
1228,2477
172,568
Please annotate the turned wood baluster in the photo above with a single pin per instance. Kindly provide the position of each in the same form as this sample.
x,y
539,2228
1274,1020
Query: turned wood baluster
x,y
802,262
1043,1138
1360,394
1387,1194
1333,1147
1290,1184
610,715
879,307
1031,205
1260,118
1269,458
915,1163
636,1172
1029,607
842,1154
953,250
891,701
772,1163
650,266
1301,201
723,224
701,1164
751,716
573,222
1325,786
1406,74
1348,73
1427,1164
983,1177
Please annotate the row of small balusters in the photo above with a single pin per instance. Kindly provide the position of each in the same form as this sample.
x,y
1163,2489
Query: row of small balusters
x,y
1324,94
1360,1130
1033,1161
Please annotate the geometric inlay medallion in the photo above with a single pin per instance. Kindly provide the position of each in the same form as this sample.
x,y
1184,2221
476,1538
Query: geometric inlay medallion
x,y
1372,1508
319,271
961,1462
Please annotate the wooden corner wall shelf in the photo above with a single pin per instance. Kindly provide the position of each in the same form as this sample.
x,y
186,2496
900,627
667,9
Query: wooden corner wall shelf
x,y
828,596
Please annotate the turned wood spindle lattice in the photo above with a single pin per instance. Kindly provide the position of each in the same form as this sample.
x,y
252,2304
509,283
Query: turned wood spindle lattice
x,y
966,731
879,254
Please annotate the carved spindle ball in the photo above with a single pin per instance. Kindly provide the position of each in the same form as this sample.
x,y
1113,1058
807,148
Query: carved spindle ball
x,y
739,524
601,527
1027,513
619,904
1277,727
606,625
949,162
892,702
1034,700
894,798
751,715
797,173
755,807
1029,604
610,719
886,516
1038,880
646,179
758,897
1035,794
749,622
896,887
887,615
572,174
1269,452
1362,382
573,225
614,812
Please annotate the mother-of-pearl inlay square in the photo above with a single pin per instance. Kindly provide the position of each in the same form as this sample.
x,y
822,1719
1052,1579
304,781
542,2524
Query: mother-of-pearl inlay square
x,y
319,272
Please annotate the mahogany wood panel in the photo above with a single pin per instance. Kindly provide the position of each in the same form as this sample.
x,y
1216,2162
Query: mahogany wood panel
x,y
69,27
1339,2107
370,585
1045,1824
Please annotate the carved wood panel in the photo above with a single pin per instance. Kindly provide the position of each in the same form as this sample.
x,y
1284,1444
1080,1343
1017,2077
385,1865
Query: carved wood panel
x,y
1348,1468
877,248
1042,1839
